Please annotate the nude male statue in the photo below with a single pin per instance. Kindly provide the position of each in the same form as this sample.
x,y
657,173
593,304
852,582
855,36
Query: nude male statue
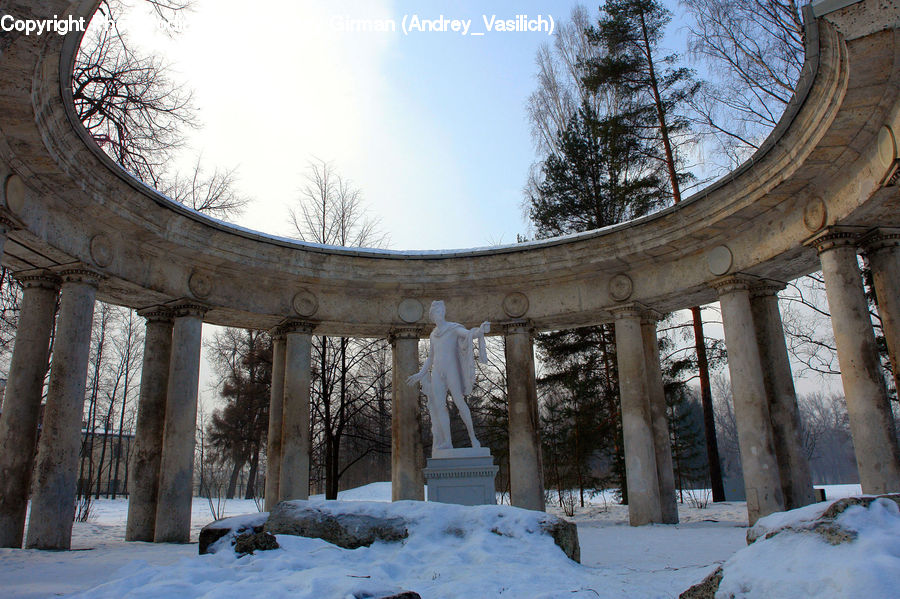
x,y
450,366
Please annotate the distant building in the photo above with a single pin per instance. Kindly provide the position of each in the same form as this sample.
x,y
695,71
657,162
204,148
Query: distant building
x,y
105,456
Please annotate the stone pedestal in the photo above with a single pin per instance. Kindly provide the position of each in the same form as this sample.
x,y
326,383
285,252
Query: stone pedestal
x,y
464,476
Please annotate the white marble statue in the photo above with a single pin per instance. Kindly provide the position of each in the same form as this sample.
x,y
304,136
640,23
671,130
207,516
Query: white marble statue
x,y
450,366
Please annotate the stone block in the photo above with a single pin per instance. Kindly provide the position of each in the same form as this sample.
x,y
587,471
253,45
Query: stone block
x,y
305,519
464,476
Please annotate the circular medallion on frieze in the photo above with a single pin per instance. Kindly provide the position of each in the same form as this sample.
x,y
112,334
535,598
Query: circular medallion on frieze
x,y
620,287
887,146
101,250
200,284
15,192
719,260
815,214
305,303
410,310
515,304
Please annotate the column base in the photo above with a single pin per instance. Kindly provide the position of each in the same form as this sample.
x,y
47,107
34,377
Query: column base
x,y
462,479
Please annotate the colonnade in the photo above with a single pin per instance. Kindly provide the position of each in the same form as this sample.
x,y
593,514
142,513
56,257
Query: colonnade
x,y
776,474
289,444
162,466
776,471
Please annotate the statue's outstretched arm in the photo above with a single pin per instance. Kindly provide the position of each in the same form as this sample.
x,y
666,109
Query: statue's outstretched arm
x,y
484,329
425,368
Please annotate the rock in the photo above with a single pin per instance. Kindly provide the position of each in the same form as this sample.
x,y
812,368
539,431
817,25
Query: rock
x,y
823,523
256,541
344,530
565,535
706,589
404,595
790,527
234,526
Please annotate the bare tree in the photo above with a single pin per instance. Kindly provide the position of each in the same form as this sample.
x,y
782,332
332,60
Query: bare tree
x,y
826,438
330,212
128,351
116,354
129,103
214,193
754,49
242,360
755,52
560,81
138,113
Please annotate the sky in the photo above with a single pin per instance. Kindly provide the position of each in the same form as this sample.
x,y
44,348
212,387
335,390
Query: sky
x,y
430,126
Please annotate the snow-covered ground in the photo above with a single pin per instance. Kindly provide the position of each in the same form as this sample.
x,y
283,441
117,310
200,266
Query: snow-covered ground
x,y
618,560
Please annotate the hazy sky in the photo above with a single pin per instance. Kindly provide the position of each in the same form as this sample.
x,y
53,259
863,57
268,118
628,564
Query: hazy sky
x,y
431,126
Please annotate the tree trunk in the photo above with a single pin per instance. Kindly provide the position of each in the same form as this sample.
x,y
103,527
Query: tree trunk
x,y
250,493
103,454
715,473
709,418
92,410
119,441
232,480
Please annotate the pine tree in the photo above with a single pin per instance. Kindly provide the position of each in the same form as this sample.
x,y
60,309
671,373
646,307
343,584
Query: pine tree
x,y
601,174
238,430
659,92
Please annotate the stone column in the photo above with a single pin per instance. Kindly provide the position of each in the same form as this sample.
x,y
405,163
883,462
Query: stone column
x,y
882,249
294,480
637,422
176,470
407,478
22,401
6,225
276,411
668,502
762,480
148,441
53,499
526,471
871,422
796,481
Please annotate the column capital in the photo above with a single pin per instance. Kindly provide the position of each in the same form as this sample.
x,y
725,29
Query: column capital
x,y
629,310
835,237
79,273
277,332
732,283
766,287
39,277
651,316
296,326
517,326
185,307
881,238
7,224
405,333
156,314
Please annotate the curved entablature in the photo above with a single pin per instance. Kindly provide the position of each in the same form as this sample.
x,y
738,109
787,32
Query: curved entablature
x,y
830,162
